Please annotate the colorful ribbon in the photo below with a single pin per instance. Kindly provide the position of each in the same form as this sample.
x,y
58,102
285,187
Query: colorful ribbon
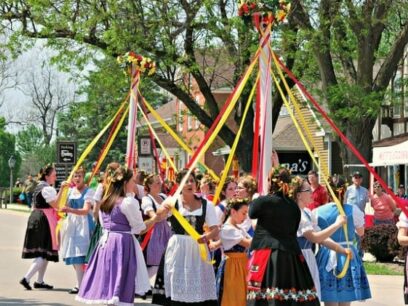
x,y
235,144
174,135
307,146
345,140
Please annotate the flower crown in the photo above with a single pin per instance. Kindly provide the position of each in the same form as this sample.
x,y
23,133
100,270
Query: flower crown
x,y
236,201
280,185
279,8
143,64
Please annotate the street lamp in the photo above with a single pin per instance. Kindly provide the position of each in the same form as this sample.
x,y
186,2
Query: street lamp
x,y
11,163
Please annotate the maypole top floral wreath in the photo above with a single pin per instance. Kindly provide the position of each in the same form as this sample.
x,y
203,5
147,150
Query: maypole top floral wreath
x,y
141,63
279,8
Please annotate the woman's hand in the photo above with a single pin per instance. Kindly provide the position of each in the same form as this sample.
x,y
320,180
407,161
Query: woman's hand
x,y
64,184
202,239
347,252
340,220
214,245
66,209
169,203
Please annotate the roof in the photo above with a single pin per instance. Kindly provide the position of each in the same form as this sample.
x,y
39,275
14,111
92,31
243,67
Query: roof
x,y
286,137
391,141
166,112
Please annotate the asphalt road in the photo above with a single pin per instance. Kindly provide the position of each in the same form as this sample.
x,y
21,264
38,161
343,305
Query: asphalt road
x,y
13,268
386,290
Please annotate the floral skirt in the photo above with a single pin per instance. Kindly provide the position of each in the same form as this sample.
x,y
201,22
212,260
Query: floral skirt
x,y
277,277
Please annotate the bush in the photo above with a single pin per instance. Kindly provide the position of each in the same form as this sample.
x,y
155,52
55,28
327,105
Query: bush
x,y
381,241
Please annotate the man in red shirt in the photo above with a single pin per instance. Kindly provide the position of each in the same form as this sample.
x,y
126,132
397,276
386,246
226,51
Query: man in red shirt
x,y
319,193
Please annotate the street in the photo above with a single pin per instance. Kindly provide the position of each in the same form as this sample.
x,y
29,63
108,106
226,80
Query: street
x,y
386,290
13,268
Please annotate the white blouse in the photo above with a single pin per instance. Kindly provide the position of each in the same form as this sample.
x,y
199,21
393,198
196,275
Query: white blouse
x,y
130,208
98,193
49,193
308,222
403,221
231,236
210,216
147,203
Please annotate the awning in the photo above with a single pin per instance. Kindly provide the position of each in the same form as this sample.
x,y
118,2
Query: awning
x,y
391,155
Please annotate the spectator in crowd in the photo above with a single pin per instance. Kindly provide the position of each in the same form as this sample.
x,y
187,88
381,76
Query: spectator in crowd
x,y
383,205
319,193
339,186
357,195
29,187
19,183
401,192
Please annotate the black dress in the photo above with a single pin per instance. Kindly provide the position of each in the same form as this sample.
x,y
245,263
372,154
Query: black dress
x,y
38,240
278,273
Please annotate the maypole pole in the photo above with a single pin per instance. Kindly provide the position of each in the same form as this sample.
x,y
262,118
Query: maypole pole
x,y
131,137
136,65
263,15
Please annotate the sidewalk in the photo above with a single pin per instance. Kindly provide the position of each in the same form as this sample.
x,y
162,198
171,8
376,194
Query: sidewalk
x,y
17,207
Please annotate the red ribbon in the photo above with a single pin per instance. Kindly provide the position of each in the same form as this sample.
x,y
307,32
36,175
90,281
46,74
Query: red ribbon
x,y
344,138
215,123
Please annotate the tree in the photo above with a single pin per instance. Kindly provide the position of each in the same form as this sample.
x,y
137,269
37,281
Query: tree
x,y
7,149
49,94
357,47
34,152
342,39
171,32
105,87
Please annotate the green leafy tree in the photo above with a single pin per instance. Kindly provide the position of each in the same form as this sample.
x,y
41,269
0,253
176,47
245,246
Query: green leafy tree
x,y
34,152
336,42
357,47
103,91
7,149
173,33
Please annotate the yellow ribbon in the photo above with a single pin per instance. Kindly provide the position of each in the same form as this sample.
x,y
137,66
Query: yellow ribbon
x,y
307,146
115,133
175,136
235,144
64,195
183,222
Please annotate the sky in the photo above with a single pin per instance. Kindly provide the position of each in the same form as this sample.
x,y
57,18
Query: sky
x,y
16,105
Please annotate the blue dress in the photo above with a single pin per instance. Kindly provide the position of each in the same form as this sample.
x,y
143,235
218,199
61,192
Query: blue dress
x,y
354,285
77,229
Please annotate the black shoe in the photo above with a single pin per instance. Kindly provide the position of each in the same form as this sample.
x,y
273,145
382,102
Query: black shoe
x,y
25,284
42,286
74,290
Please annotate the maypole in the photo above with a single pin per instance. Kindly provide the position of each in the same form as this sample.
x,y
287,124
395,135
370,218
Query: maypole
x,y
136,65
263,15
265,103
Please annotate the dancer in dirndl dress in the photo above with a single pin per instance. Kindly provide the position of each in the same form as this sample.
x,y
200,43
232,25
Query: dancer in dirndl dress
x,y
308,231
77,227
161,232
117,269
40,240
278,274
354,285
97,199
188,280
232,272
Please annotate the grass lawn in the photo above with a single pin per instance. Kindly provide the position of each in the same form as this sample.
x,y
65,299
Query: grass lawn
x,y
383,268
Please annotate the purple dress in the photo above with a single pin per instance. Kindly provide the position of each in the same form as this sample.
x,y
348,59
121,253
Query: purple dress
x,y
110,276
